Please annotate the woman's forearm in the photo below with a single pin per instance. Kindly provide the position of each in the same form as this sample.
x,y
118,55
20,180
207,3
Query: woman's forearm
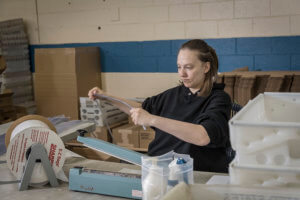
x,y
188,132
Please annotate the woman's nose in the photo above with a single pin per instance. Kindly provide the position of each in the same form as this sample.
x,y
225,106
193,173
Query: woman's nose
x,y
181,72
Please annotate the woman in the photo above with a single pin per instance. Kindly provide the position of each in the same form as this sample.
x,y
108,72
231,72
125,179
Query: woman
x,y
191,118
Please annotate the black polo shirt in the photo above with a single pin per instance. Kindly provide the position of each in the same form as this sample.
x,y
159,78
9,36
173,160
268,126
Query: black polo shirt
x,y
213,112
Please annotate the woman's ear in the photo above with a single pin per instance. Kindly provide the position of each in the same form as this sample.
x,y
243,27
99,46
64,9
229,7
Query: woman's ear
x,y
207,67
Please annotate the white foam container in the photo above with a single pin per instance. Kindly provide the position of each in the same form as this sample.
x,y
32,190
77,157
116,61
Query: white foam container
x,y
267,131
266,176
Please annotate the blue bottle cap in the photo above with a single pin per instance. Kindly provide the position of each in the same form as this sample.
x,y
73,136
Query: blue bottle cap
x,y
180,161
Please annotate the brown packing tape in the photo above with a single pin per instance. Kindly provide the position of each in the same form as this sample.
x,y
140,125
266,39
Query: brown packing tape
x,y
26,118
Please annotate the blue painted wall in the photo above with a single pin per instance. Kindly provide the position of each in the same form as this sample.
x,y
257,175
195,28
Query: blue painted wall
x,y
259,53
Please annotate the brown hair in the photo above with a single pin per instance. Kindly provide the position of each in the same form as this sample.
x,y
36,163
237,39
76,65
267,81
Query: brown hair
x,y
206,54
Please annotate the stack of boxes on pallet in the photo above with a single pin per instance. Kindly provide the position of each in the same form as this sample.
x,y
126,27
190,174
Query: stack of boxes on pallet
x,y
103,114
7,110
17,76
245,85
266,137
133,137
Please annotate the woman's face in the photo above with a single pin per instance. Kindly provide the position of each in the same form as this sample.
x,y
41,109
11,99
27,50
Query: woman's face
x,y
191,70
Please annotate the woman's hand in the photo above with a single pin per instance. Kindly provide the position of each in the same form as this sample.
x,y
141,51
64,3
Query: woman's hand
x,y
141,117
93,91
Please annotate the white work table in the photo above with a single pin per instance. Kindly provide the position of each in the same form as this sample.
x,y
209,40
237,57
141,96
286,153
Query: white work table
x,y
10,191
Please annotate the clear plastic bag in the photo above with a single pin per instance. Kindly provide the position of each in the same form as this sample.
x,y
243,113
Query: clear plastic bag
x,y
162,173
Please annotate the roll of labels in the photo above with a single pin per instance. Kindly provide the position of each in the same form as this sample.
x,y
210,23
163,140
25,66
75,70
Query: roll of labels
x,y
35,153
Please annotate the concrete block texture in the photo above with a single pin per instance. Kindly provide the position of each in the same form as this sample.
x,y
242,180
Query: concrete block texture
x,y
254,45
253,8
156,48
184,12
230,63
274,26
286,45
144,15
169,30
285,7
272,62
217,10
295,25
12,9
77,21
202,29
295,65
128,85
223,46
238,27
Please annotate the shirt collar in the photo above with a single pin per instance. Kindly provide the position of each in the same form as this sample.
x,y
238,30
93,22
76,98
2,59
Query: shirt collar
x,y
216,86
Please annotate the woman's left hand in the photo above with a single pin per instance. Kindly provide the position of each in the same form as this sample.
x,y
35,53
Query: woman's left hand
x,y
140,116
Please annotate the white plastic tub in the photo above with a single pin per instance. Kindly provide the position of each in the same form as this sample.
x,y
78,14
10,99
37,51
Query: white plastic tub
x,y
267,176
267,131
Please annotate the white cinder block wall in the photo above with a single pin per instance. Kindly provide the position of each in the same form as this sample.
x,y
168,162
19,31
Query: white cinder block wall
x,y
84,21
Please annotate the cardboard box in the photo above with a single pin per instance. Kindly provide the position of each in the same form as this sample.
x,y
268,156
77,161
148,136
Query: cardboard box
x,y
5,109
274,83
102,133
2,64
6,99
126,136
287,83
295,87
260,83
229,85
246,89
60,85
62,75
102,120
146,136
52,106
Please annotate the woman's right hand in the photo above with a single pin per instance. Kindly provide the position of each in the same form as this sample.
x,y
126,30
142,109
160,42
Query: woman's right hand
x,y
93,91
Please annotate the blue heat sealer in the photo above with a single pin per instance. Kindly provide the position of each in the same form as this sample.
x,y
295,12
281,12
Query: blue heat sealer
x,y
120,184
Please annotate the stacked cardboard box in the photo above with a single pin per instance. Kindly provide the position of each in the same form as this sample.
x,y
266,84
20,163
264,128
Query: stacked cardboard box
x,y
126,136
243,86
7,110
101,112
229,81
296,83
133,137
16,76
62,75
145,137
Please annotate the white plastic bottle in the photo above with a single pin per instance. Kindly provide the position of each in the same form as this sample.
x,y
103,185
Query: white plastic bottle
x,y
154,185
